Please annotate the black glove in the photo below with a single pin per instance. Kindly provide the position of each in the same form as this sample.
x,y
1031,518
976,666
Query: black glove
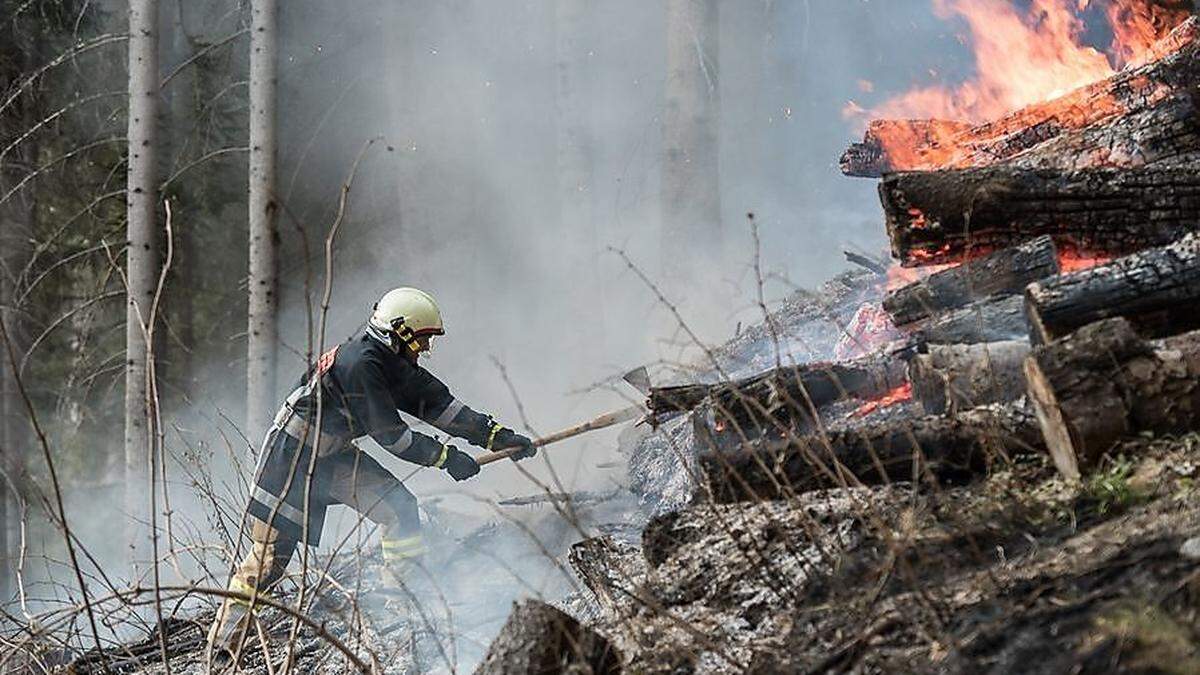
x,y
507,439
459,464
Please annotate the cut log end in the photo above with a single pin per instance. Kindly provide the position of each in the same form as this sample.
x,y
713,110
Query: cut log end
x,y
1051,419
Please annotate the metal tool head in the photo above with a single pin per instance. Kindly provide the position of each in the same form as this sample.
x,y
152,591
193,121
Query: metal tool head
x,y
638,378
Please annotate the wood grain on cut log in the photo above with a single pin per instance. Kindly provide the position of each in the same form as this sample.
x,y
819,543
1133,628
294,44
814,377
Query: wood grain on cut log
x,y
539,638
1144,115
912,449
820,383
944,216
1003,272
950,378
1104,382
1158,290
990,320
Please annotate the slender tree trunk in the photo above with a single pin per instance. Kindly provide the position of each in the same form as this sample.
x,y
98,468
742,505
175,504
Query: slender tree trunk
x,y
691,203
142,254
264,238
16,238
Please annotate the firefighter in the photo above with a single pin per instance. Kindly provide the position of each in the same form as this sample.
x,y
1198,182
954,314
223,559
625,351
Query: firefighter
x,y
308,463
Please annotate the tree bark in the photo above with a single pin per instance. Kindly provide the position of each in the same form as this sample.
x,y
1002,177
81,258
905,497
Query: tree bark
x,y
142,268
950,378
264,238
539,638
691,203
1144,115
937,447
1157,290
943,216
989,320
1104,382
1004,272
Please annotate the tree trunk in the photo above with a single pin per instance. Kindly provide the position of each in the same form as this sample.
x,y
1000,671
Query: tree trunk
x,y
16,247
950,378
1158,290
691,203
539,638
1004,272
264,238
990,320
943,216
1144,115
1104,382
937,446
142,261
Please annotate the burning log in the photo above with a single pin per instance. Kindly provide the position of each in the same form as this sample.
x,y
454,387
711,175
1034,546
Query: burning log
x,y
990,320
539,638
1004,272
943,216
794,386
950,378
937,447
1144,115
1158,290
1104,382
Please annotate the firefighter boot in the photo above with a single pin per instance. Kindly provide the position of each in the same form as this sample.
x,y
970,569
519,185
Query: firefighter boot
x,y
258,571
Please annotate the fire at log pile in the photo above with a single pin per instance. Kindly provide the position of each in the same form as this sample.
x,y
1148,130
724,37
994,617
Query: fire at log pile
x,y
1026,355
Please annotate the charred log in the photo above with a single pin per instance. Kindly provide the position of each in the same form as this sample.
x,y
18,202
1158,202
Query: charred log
x,y
1104,382
817,384
1140,116
944,216
541,639
1158,290
925,448
950,378
990,320
1004,272
611,570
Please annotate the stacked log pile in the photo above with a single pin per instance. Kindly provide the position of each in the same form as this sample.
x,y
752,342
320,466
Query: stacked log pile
x,y
1051,219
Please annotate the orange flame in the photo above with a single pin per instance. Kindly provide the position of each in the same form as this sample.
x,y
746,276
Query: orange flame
x,y
1037,54
898,395
1073,260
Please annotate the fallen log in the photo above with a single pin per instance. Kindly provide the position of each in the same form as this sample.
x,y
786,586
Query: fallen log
x,y
990,320
934,447
1140,116
949,378
1104,382
944,216
1004,272
792,386
1158,290
541,639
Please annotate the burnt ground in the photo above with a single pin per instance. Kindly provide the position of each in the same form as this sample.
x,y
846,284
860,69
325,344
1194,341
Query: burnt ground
x,y
1015,573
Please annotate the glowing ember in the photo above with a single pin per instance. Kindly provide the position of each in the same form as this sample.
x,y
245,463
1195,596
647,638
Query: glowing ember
x,y
899,277
869,329
1025,56
1071,260
898,395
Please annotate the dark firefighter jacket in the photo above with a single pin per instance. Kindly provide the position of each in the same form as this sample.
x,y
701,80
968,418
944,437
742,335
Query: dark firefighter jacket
x,y
359,388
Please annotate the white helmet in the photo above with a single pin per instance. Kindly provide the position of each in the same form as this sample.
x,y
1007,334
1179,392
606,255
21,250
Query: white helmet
x,y
410,314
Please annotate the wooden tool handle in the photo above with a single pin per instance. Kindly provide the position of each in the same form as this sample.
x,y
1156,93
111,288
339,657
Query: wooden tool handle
x,y
601,422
